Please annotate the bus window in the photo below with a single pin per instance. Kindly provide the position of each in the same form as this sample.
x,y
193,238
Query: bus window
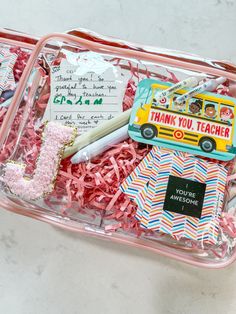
x,y
226,114
162,102
195,106
154,102
210,109
155,91
178,107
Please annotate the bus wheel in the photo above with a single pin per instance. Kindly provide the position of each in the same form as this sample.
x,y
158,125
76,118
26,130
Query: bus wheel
x,y
207,144
148,131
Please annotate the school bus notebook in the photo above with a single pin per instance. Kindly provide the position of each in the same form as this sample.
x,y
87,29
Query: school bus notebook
x,y
202,125
120,141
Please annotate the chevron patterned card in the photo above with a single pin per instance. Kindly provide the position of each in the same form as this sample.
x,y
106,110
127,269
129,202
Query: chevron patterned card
x,y
7,62
186,199
162,160
136,184
178,194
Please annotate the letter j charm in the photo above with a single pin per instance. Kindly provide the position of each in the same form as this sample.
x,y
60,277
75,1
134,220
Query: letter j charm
x,y
55,138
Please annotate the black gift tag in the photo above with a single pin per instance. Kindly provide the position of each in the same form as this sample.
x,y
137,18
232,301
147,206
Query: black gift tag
x,y
184,196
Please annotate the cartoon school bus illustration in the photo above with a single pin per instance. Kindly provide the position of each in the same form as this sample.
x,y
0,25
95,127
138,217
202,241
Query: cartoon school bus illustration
x,y
202,125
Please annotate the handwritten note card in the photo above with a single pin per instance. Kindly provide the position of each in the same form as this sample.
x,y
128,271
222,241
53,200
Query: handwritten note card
x,y
85,91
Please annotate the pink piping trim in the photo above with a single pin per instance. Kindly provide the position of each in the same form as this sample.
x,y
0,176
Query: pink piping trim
x,y
17,43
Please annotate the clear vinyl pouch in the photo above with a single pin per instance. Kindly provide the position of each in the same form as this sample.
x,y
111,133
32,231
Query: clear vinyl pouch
x,y
100,138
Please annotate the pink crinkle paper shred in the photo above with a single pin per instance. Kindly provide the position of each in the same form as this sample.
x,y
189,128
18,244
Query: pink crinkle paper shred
x,y
95,184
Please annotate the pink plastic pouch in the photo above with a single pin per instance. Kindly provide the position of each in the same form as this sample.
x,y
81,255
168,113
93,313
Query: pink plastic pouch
x,y
77,90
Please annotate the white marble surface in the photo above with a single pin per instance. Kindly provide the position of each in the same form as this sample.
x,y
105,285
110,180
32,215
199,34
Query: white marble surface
x,y
46,270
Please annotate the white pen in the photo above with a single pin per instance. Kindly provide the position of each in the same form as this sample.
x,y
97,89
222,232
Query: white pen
x,y
207,86
101,145
188,82
98,132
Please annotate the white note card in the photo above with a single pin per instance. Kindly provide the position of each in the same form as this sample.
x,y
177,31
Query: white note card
x,y
85,91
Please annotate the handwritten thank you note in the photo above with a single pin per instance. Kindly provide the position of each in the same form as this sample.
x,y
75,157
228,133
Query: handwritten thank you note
x,y
85,91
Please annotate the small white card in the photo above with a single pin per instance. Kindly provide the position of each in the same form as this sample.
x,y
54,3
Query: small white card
x,y
85,90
